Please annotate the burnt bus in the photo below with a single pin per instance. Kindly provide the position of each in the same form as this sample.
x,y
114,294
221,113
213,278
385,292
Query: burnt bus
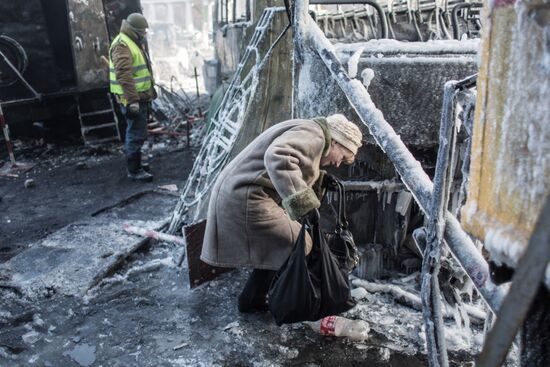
x,y
54,68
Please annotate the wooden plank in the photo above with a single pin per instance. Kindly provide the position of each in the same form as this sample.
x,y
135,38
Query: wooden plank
x,y
199,272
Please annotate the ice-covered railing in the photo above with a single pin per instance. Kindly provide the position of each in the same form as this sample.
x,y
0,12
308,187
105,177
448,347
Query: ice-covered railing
x,y
437,19
308,34
390,6
225,125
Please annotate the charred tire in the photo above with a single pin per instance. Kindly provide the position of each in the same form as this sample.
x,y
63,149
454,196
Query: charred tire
x,y
16,55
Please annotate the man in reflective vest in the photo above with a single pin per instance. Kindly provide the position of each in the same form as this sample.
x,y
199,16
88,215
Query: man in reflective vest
x,y
131,81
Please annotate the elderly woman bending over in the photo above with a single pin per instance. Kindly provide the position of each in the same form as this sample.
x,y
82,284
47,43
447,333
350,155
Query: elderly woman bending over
x,y
258,197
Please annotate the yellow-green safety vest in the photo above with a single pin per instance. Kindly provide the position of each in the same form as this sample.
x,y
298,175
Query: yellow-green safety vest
x,y
140,71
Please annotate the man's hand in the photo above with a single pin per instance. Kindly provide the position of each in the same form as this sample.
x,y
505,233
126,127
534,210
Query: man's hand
x,y
132,110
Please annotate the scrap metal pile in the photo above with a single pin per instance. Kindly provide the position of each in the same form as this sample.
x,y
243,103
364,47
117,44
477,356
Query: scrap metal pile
x,y
176,113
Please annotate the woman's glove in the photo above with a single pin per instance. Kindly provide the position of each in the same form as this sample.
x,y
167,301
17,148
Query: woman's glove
x,y
310,217
326,181
330,182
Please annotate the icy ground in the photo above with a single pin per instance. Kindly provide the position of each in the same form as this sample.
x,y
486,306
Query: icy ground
x,y
144,314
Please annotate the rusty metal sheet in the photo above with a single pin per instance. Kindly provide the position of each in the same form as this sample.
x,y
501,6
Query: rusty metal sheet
x,y
199,272
510,170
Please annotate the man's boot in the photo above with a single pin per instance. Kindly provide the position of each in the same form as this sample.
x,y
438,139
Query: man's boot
x,y
135,171
146,167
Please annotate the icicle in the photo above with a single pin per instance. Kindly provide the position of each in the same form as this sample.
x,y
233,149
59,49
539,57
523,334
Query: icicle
x,y
388,197
353,61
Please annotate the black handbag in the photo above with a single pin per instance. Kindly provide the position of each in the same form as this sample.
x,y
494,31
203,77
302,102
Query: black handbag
x,y
340,240
308,288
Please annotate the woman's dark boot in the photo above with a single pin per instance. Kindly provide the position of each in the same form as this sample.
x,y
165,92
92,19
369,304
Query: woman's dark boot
x,y
253,298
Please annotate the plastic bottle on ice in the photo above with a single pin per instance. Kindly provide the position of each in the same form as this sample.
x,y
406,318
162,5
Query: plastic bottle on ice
x,y
341,326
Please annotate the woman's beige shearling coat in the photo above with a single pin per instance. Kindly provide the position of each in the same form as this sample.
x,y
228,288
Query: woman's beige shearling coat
x,y
246,226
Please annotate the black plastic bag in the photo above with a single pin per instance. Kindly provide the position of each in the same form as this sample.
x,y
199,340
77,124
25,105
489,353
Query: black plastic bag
x,y
293,295
308,288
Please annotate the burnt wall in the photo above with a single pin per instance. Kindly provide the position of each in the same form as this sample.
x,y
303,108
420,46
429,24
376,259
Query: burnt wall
x,y
41,28
116,10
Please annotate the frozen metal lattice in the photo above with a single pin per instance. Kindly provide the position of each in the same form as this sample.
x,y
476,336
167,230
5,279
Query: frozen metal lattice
x,y
225,126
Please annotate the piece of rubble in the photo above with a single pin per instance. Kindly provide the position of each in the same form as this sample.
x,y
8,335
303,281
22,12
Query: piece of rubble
x,y
231,325
31,337
29,183
180,346
234,328
158,146
171,187
359,293
81,165
37,321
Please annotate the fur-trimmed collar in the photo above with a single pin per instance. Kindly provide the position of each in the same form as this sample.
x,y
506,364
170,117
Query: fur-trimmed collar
x,y
322,122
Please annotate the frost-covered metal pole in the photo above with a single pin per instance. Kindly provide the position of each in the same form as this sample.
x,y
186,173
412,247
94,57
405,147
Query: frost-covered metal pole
x,y
410,170
430,293
299,19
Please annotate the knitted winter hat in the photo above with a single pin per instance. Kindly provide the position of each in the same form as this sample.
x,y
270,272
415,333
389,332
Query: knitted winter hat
x,y
345,132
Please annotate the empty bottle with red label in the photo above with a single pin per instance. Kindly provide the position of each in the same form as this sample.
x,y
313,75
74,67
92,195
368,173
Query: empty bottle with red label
x,y
341,326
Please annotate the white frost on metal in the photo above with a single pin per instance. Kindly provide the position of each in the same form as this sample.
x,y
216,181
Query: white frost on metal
x,y
389,46
366,76
428,61
414,177
403,202
503,245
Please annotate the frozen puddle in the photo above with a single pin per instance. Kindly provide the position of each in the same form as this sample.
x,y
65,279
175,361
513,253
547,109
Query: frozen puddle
x,y
83,354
